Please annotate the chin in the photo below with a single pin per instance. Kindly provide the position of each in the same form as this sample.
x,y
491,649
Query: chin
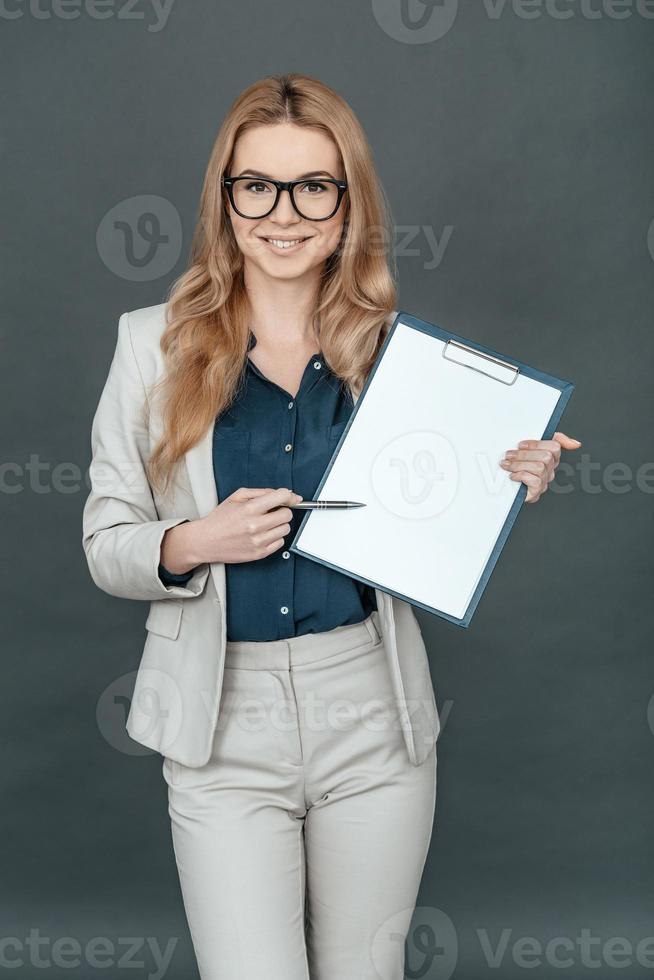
x,y
288,272
285,268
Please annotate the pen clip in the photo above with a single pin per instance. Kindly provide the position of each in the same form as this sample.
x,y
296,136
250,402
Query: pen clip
x,y
510,371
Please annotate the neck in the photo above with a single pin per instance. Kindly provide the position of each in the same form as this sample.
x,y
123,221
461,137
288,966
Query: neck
x,y
282,310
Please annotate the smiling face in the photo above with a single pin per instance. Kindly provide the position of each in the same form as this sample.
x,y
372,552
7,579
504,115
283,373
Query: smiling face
x,y
285,245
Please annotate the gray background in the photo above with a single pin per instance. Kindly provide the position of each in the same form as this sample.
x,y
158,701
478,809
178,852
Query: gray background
x,y
530,139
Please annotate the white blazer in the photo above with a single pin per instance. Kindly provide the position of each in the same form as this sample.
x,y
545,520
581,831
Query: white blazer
x,y
176,700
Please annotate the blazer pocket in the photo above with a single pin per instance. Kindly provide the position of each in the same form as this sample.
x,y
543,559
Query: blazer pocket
x,y
165,617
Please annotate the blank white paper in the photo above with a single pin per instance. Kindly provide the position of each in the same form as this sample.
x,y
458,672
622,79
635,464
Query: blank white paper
x,y
423,452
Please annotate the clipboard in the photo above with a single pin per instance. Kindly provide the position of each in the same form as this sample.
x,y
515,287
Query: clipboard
x,y
422,448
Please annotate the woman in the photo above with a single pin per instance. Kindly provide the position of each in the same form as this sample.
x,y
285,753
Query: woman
x,y
300,835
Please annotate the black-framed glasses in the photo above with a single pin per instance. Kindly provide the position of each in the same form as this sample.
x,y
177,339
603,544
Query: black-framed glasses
x,y
255,197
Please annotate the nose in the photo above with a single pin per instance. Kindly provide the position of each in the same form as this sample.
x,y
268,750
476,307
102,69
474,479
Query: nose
x,y
284,212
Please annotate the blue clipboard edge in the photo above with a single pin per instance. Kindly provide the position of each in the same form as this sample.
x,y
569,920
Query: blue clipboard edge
x,y
565,387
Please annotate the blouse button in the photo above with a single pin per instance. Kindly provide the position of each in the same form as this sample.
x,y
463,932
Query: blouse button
x,y
288,447
317,365
286,554
284,609
290,404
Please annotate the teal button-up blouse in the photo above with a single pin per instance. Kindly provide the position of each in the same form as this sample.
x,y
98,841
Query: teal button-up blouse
x,y
268,438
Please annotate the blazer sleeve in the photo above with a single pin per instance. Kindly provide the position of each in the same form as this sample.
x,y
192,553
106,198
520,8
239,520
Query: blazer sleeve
x,y
121,532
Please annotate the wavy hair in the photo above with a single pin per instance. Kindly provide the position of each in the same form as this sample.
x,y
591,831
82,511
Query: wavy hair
x,y
204,343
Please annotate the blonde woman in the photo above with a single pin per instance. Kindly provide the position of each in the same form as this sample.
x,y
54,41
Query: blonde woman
x,y
292,704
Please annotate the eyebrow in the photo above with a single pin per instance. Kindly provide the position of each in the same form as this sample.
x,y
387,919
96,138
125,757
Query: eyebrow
x,y
312,173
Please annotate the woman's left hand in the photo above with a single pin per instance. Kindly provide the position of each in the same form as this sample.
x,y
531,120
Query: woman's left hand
x,y
535,460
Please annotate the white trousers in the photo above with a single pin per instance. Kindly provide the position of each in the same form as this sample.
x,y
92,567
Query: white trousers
x,y
300,845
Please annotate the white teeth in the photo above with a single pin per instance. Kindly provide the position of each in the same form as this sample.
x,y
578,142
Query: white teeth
x,y
281,244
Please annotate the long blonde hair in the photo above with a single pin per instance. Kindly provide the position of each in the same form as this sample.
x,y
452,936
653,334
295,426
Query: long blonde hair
x,y
205,340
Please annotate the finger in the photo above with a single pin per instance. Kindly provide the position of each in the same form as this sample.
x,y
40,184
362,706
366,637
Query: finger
x,y
516,454
516,458
275,546
533,483
274,518
566,441
536,466
558,440
268,537
275,498
539,445
247,493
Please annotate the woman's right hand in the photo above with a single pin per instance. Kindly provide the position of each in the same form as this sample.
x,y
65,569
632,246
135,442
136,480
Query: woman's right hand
x,y
246,526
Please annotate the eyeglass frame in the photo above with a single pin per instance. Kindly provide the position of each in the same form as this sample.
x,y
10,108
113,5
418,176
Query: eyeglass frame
x,y
284,185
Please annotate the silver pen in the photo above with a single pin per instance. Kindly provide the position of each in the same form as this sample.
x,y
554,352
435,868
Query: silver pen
x,y
325,504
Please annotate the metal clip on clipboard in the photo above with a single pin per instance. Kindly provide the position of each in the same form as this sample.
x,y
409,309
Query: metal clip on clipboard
x,y
506,373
